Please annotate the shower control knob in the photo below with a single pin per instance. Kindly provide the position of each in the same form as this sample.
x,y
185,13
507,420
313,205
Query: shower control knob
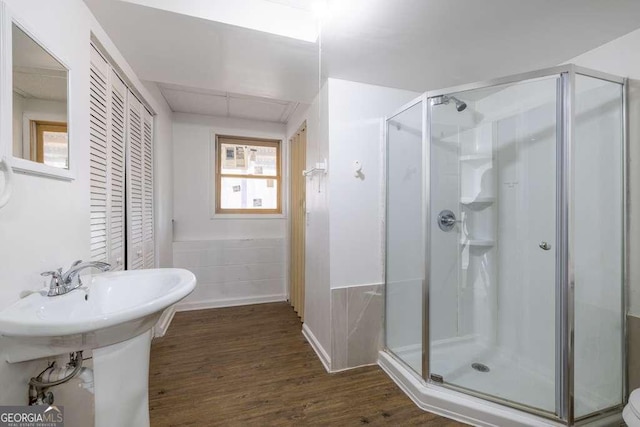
x,y
544,246
447,220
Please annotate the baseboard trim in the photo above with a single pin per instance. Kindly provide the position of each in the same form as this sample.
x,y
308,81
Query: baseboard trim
x,y
317,347
360,285
336,371
231,302
160,328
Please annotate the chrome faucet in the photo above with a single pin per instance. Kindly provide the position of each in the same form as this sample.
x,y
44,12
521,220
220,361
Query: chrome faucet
x,y
62,283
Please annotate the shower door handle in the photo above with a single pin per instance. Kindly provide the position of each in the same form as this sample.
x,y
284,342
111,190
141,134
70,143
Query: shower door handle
x,y
544,246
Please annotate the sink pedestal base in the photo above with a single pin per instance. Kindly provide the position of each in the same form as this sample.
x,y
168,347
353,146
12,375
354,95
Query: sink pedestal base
x,y
121,375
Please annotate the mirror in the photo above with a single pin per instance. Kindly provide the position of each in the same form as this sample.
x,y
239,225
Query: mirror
x,y
40,102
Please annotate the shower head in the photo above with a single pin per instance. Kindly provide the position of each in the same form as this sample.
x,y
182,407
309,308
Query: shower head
x,y
460,105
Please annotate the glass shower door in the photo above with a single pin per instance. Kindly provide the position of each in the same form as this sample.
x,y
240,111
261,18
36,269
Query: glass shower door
x,y
492,246
405,239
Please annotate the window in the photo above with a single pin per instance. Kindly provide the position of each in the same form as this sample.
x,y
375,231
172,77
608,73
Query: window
x,y
50,143
247,175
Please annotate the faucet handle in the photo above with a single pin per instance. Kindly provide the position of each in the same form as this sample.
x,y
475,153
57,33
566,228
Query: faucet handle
x,y
55,286
56,280
55,274
75,263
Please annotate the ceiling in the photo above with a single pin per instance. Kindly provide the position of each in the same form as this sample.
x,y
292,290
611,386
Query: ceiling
x,y
430,44
178,49
225,104
290,18
29,54
36,74
39,85
410,44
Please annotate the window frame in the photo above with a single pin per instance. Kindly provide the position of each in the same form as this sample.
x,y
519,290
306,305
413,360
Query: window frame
x,y
37,138
218,175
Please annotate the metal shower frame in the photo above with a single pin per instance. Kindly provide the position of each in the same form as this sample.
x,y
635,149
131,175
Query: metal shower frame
x,y
565,279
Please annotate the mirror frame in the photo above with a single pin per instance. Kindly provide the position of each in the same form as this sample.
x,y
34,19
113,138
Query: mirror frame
x,y
7,20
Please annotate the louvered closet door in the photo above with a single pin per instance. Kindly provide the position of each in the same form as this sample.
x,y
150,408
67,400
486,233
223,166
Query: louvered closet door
x,y
147,191
107,165
116,206
135,183
99,155
121,156
140,221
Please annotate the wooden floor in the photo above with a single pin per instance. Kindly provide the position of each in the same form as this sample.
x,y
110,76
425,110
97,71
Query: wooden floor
x,y
251,366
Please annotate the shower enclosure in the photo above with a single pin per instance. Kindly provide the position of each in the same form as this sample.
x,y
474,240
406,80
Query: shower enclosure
x,y
505,269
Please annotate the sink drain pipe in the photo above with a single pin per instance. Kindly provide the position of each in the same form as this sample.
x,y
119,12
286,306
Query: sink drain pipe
x,y
53,376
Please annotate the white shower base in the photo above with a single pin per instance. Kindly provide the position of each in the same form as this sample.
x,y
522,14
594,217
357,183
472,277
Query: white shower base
x,y
506,379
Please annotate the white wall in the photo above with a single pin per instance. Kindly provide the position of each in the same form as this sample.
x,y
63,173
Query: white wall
x,y
33,107
46,223
344,228
42,213
236,260
18,108
163,179
299,115
356,216
356,132
317,306
193,180
317,289
56,108
232,271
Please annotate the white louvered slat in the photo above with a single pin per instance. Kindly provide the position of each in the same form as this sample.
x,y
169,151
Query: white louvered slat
x,y
147,192
98,155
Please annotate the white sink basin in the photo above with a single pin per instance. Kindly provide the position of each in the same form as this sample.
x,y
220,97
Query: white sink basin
x,y
112,315
110,308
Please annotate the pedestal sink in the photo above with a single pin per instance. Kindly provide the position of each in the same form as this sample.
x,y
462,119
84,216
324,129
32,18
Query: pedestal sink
x,y
112,314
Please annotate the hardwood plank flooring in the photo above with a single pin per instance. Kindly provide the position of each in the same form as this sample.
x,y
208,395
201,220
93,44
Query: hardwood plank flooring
x,y
251,366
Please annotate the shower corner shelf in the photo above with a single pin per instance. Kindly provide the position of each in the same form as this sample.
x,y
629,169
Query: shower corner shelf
x,y
477,200
482,243
476,157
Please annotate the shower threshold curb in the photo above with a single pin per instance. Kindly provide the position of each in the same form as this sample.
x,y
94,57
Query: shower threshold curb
x,y
456,405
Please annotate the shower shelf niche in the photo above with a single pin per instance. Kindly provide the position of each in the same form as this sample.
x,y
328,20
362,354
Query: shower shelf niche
x,y
476,158
484,243
486,200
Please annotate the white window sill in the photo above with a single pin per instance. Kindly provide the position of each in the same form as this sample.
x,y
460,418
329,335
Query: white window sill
x,y
249,216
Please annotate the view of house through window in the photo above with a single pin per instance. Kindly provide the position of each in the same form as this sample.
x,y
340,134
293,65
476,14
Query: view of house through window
x,y
247,175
